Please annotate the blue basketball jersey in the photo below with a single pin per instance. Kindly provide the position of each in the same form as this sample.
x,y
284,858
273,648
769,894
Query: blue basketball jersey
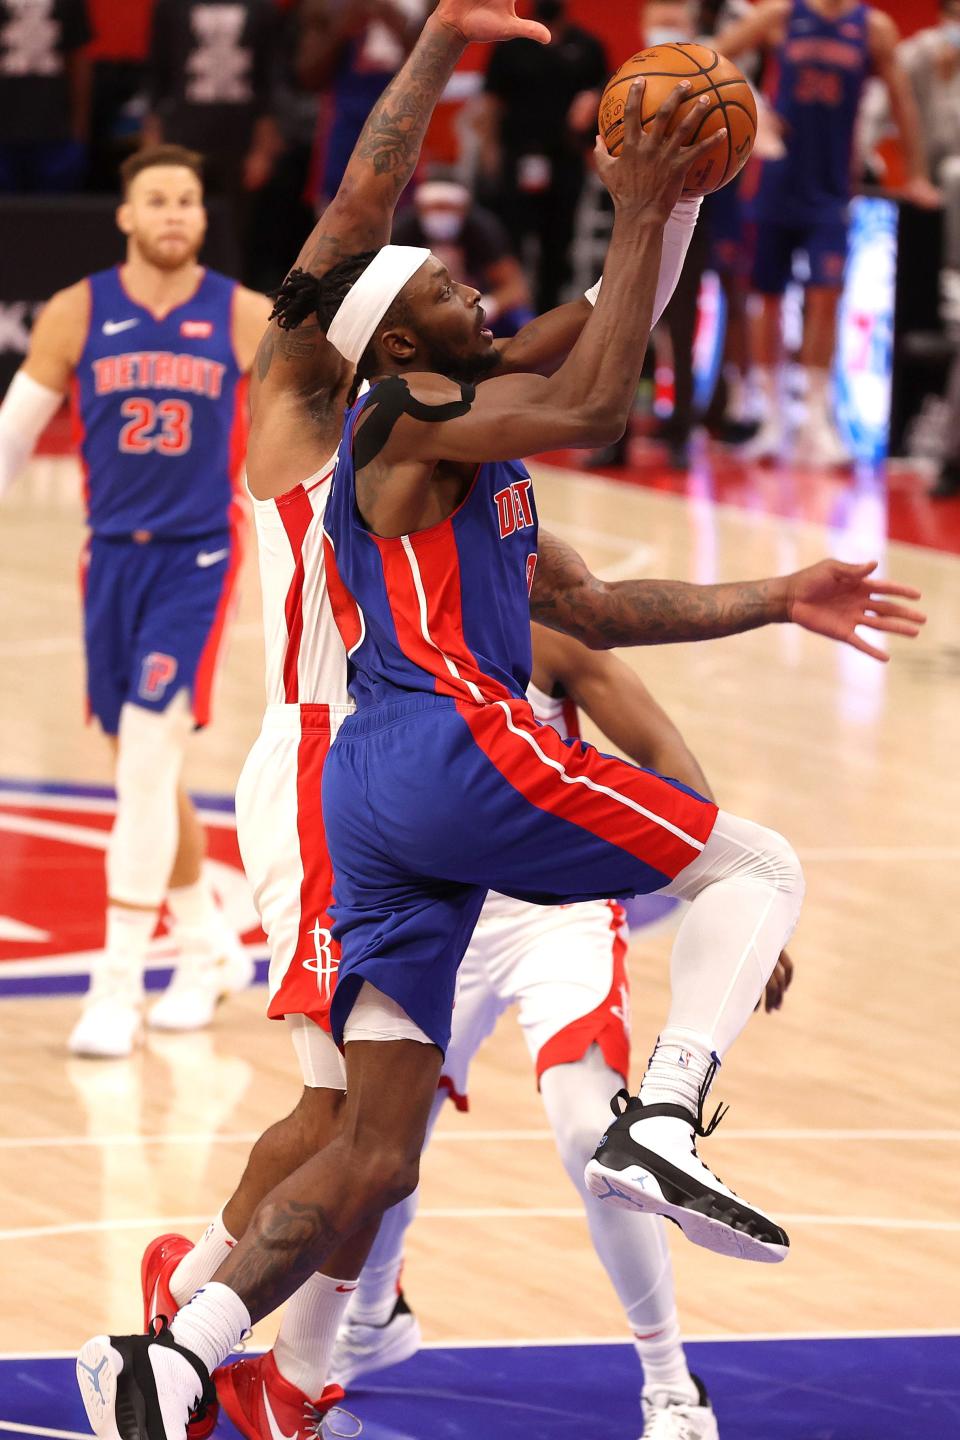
x,y
159,411
445,610
818,75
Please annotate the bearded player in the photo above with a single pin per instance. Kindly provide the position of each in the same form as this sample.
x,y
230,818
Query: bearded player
x,y
153,353
372,1160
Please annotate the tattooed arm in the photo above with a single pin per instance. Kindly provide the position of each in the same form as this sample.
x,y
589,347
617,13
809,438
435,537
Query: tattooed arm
x,y
829,598
360,216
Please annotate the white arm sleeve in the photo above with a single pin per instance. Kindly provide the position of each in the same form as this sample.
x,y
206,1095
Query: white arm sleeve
x,y
677,234
27,408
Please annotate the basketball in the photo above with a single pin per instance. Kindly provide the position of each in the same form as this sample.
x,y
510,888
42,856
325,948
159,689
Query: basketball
x,y
733,105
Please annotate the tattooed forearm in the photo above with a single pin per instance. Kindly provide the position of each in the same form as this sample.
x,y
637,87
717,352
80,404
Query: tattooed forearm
x,y
391,139
284,1244
386,154
567,597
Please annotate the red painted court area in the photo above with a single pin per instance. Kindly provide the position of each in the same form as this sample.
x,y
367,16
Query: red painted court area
x,y
889,502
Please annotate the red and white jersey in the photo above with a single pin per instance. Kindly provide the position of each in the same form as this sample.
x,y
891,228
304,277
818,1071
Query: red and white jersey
x,y
305,659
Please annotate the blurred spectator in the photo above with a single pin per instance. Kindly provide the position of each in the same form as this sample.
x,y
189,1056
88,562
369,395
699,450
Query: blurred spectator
x,y
119,55
931,59
44,94
351,50
537,121
822,51
211,88
472,244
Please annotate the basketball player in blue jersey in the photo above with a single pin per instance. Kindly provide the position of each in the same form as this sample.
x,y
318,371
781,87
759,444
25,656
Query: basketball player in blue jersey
x,y
153,352
821,52
318,1181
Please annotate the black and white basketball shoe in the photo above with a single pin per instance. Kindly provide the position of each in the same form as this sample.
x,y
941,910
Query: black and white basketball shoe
x,y
139,1387
647,1160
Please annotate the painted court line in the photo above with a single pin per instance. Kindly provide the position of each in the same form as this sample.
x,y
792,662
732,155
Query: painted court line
x,y
463,1137
44,1430
489,1212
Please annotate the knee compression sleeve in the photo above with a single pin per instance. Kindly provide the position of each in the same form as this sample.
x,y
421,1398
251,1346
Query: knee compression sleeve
x,y
143,842
745,889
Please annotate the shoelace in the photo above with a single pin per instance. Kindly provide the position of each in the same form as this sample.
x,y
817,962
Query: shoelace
x,y
318,1425
623,1102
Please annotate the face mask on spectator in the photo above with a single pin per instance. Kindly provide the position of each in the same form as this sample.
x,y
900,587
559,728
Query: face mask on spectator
x,y
950,30
441,225
664,35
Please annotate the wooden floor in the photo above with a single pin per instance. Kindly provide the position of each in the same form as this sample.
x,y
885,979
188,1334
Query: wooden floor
x,y
844,1107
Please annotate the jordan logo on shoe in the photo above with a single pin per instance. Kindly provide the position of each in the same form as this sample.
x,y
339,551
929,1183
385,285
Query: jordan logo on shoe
x,y
275,1430
94,1374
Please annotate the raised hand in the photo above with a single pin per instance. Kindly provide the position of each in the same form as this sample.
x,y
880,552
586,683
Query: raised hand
x,y
647,176
832,598
489,20
778,984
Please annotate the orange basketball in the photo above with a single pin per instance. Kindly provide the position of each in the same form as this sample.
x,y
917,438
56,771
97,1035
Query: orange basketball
x,y
733,105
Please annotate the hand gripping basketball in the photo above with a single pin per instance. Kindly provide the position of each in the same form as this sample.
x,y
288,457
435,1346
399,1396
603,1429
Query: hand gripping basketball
x,y
489,20
647,176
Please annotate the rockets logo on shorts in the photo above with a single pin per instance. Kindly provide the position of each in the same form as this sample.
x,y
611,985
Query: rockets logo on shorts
x,y
322,961
156,675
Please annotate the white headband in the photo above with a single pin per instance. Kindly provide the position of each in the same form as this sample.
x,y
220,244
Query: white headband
x,y
370,297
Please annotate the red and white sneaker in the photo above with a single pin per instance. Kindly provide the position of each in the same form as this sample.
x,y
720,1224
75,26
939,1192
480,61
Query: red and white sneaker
x,y
263,1405
160,1259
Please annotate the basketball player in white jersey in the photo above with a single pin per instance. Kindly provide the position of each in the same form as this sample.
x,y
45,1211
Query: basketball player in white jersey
x,y
154,351
564,970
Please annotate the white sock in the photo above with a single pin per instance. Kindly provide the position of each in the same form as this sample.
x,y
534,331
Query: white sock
x,y
631,1247
661,1354
202,1262
129,933
677,1069
768,383
308,1330
379,1284
818,395
194,917
211,1324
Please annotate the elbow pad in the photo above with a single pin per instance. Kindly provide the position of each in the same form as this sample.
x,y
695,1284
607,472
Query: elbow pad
x,y
27,409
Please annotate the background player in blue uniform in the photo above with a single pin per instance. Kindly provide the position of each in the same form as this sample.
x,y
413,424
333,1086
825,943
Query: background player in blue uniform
x,y
821,53
153,352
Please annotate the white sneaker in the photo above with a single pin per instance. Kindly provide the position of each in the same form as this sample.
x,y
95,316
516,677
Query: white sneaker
x,y
142,1387
817,444
198,985
767,444
648,1161
111,1023
362,1348
668,1416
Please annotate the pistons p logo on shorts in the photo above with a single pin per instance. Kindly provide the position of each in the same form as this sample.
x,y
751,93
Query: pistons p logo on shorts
x,y
156,674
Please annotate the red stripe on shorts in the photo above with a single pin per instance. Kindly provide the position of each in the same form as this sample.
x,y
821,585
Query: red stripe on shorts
x,y
607,1026
307,987
628,807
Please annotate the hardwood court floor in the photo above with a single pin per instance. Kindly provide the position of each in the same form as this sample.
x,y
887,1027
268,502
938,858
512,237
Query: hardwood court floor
x,y
843,1118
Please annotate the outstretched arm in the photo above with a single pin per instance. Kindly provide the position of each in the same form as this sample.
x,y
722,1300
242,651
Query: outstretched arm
x,y
360,216
830,598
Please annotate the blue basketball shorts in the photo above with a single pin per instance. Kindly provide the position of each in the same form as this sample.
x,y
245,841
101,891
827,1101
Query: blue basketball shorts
x,y
429,802
824,241
155,617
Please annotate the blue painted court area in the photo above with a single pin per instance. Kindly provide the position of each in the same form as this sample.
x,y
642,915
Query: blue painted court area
x,y
892,1388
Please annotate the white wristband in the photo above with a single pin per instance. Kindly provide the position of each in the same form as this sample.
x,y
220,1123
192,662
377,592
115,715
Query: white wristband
x,y
27,409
